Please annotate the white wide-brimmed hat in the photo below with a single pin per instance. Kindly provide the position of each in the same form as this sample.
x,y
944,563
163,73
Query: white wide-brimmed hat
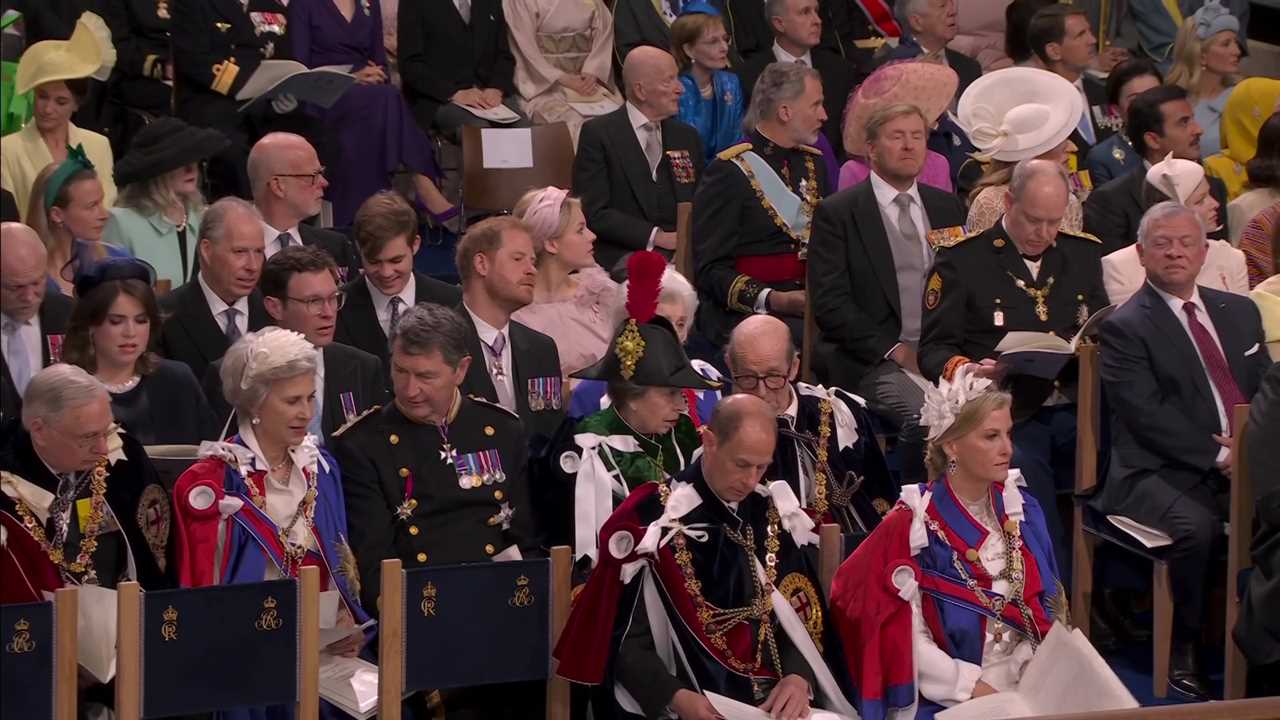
x,y
1018,113
1176,178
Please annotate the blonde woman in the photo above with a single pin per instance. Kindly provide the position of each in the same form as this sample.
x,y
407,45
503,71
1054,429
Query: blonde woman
x,y
67,209
158,215
1206,60
574,300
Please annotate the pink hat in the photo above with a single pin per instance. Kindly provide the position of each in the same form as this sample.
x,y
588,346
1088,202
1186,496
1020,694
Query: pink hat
x,y
929,86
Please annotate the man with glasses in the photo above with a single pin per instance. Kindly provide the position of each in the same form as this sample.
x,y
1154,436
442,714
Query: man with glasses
x,y
32,322
826,449
288,185
300,291
80,503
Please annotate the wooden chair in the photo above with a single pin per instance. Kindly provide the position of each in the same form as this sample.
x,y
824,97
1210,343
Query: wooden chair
x,y
457,597
274,626
1240,522
497,189
808,341
830,554
683,258
38,662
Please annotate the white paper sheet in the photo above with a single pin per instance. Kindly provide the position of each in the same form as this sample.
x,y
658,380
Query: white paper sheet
x,y
96,629
351,684
731,709
499,114
1144,534
507,148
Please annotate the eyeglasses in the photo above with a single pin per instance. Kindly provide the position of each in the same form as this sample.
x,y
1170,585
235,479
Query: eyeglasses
x,y
315,176
316,304
751,382
87,440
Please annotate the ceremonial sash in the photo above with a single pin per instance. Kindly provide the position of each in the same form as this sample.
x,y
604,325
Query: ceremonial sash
x,y
784,204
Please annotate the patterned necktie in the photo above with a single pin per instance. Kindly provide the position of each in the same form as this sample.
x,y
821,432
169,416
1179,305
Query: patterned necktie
x,y
396,302
1215,364
19,361
232,328
499,373
652,146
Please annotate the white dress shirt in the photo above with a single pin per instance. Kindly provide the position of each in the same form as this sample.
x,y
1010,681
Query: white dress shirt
x,y
382,303
885,195
319,407
1175,305
638,120
31,339
218,307
488,334
784,56
803,461
271,238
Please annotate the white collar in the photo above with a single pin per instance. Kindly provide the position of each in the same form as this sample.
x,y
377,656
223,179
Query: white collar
x,y
638,118
886,193
1175,303
5,321
486,331
270,234
407,295
217,305
784,56
793,409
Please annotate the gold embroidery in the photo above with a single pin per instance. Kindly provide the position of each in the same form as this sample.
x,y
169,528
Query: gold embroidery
x,y
523,596
21,642
428,604
83,564
629,348
269,619
808,201
224,74
820,468
803,596
169,628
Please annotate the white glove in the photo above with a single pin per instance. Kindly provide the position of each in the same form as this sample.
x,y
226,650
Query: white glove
x,y
284,103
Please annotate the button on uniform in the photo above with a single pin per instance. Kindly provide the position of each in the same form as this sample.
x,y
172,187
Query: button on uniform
x,y
422,557
489,549
413,530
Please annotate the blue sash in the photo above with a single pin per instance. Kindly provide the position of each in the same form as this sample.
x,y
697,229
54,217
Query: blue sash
x,y
787,205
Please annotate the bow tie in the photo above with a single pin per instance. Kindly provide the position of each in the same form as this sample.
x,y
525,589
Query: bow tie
x,y
1032,258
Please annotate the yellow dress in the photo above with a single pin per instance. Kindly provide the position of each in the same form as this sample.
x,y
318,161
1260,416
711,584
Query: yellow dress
x,y
1249,106
24,154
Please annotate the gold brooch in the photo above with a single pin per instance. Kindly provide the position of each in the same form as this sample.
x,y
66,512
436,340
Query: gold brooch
x,y
629,348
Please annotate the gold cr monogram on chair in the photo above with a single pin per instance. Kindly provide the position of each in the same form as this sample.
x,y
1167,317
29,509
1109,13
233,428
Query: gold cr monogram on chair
x,y
269,619
523,595
21,642
428,603
169,628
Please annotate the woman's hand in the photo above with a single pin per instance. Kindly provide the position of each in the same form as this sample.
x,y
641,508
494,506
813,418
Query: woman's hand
x,y
350,645
370,75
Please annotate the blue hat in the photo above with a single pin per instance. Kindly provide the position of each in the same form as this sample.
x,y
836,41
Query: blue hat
x,y
1212,18
699,8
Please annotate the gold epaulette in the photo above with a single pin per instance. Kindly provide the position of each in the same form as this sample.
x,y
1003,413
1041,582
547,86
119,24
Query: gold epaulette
x,y
733,151
355,420
492,404
1082,235
810,149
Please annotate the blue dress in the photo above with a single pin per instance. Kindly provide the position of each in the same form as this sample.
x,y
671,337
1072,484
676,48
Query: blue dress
x,y
370,131
718,119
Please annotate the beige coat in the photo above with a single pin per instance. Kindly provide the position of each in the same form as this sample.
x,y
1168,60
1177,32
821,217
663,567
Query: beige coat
x,y
1223,269
1267,297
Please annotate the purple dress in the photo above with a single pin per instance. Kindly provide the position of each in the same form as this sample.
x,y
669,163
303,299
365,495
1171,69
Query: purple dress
x,y
369,133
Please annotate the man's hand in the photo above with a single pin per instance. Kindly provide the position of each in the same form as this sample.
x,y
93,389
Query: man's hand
x,y
1108,59
689,705
469,97
1224,467
370,75
665,240
490,98
351,644
981,689
987,368
787,302
905,356
789,699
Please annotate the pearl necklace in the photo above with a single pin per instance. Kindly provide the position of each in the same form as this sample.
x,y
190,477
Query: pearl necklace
x,y
126,386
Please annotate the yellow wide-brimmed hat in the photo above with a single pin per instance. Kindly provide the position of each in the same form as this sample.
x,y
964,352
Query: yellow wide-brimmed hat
x,y
89,53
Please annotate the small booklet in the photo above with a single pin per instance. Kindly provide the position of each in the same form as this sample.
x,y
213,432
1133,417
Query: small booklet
x,y
1148,536
1066,675
1043,355
602,102
96,631
350,684
500,114
320,86
731,709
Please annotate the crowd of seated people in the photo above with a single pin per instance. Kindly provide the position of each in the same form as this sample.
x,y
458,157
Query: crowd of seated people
x,y
801,241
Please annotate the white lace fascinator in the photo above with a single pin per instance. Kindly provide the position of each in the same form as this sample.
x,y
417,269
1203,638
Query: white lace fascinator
x,y
272,348
944,401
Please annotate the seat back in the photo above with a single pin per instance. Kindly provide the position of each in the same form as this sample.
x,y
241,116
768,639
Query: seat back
x,y
683,259
170,461
169,640
1240,522
445,626
808,341
1088,420
38,660
498,189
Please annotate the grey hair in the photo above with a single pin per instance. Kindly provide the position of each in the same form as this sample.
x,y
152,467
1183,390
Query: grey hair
x,y
902,12
59,388
1027,170
246,394
775,8
428,327
153,195
213,224
675,288
780,82
1163,212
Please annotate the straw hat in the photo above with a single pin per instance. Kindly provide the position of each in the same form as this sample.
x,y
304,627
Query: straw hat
x,y
928,86
89,53
1019,113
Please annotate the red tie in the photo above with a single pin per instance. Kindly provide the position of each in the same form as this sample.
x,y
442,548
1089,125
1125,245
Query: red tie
x,y
1214,363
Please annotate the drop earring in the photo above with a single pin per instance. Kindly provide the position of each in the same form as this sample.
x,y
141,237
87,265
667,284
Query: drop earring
x,y
256,421
951,466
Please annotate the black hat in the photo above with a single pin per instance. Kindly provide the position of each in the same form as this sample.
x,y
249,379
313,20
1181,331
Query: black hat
x,y
90,275
165,144
646,350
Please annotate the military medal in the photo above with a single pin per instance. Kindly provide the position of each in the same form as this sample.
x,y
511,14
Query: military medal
x,y
1037,294
55,348
348,401
1082,312
404,510
997,317
1118,154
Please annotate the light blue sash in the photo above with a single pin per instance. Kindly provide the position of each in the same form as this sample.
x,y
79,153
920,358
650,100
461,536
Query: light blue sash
x,y
787,205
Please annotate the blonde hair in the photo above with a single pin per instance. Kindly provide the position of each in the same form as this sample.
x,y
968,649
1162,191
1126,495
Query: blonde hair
x,y
37,217
690,29
974,412
1188,62
997,173
153,195
566,216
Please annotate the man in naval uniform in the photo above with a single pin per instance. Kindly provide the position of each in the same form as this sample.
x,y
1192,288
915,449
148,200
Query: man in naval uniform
x,y
1021,274
751,213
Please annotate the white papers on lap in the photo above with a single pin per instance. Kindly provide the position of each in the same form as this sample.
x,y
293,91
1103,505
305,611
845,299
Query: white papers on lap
x,y
320,86
499,114
731,709
350,684
601,102
506,148
1066,675
96,631
1148,536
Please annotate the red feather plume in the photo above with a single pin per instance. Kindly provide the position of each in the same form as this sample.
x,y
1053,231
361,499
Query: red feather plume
x,y
644,282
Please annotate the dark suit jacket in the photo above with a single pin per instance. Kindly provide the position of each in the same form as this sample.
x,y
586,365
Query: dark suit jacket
x,y
837,83
55,312
1095,93
1259,626
611,175
191,334
1113,212
440,54
752,32
338,246
8,207
967,69
852,282
534,355
346,370
358,321
636,23
1149,363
